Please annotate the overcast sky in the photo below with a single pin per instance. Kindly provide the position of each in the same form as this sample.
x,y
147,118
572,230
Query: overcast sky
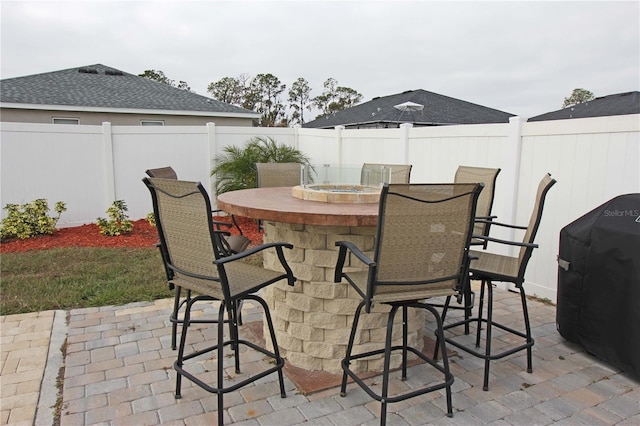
x,y
519,57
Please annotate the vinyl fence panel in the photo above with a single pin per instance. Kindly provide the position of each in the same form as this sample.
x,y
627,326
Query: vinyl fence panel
x,y
88,167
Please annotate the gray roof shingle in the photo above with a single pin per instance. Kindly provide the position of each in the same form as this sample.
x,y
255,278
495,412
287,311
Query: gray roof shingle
x,y
106,87
618,104
438,110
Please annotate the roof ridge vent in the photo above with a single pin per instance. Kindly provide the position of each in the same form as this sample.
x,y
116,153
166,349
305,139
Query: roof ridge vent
x,y
88,70
113,72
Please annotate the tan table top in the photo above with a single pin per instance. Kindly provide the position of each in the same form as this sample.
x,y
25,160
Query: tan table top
x,y
277,204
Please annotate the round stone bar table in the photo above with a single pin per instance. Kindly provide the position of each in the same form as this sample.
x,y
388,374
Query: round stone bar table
x,y
313,318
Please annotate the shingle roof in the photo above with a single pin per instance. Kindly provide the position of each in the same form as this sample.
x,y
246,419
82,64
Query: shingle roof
x,y
105,87
618,104
438,110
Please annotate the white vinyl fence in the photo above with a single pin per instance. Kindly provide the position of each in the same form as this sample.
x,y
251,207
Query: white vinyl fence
x,y
88,167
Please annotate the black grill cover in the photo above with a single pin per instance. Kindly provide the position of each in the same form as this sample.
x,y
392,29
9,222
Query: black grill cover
x,y
599,282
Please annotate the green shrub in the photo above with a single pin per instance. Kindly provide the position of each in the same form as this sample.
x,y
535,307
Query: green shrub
x,y
30,219
118,222
151,218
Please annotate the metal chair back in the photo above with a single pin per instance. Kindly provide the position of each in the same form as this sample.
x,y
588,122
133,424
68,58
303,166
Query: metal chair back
x,y
377,174
163,172
534,223
423,237
185,227
269,175
488,176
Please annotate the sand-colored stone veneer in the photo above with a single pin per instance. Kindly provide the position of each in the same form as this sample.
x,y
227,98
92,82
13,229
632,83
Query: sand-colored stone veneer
x,y
313,319
338,193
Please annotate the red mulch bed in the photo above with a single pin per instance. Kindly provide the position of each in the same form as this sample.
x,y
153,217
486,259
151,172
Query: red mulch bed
x,y
143,235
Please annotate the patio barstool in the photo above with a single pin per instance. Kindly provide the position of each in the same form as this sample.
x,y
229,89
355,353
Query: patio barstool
x,y
196,260
489,268
487,176
421,251
232,244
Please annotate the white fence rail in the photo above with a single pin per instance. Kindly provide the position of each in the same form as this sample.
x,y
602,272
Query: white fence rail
x,y
88,167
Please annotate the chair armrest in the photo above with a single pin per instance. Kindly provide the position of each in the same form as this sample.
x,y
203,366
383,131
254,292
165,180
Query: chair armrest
x,y
507,242
279,250
251,251
233,219
493,223
484,218
342,255
218,224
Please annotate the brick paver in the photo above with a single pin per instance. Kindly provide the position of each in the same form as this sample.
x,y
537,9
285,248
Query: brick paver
x,y
25,346
119,371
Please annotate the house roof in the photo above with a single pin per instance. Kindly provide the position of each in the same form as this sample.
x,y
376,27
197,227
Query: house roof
x,y
106,88
438,110
618,104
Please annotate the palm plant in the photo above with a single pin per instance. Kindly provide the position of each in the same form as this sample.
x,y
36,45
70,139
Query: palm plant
x,y
235,168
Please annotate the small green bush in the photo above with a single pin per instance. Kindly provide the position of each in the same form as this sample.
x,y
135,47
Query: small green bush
x,y
118,222
151,218
30,219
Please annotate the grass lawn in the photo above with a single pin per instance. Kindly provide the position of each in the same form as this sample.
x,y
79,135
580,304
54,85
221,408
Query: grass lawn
x,y
77,277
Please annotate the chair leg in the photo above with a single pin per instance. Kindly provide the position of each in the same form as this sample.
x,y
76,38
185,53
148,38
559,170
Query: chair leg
x,y
387,360
445,309
183,339
233,333
487,359
527,326
174,317
346,361
239,311
234,341
487,352
405,331
220,354
383,396
272,333
480,307
445,358
467,307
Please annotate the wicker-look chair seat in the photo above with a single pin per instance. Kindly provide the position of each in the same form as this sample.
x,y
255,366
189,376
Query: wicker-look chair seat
x,y
421,251
495,264
488,268
242,276
196,260
394,293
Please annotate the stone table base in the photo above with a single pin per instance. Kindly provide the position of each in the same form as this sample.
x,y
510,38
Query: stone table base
x,y
313,319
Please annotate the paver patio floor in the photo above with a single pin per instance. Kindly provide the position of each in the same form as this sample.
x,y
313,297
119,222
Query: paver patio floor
x,y
117,369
